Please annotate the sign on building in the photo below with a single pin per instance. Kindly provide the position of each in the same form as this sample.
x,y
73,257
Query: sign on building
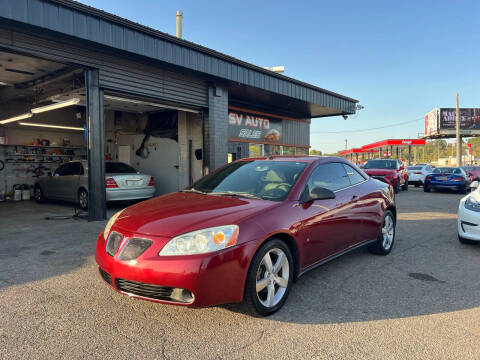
x,y
257,128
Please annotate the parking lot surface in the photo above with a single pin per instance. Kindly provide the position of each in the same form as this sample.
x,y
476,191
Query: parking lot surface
x,y
420,302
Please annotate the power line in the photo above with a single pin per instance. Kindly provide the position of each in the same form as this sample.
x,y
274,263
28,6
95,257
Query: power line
x,y
365,130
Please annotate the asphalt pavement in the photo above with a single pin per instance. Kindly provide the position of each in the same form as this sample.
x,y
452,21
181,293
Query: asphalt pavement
x,y
420,302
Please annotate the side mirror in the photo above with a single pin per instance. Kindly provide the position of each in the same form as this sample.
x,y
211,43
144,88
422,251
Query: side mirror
x,y
474,184
317,193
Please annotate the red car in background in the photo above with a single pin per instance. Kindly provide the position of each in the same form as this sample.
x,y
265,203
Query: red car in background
x,y
390,171
245,232
473,171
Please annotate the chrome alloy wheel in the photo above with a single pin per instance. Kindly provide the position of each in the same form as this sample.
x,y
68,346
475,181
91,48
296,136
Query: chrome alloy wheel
x,y
83,199
388,231
272,277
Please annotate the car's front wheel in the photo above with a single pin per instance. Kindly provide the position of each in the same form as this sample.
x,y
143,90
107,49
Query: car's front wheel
x,y
396,187
466,241
269,278
386,237
83,199
405,186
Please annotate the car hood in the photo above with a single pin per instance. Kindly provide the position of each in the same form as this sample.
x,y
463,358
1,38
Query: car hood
x,y
178,213
379,171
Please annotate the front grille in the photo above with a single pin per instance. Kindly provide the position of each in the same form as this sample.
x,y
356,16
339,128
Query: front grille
x,y
106,276
145,290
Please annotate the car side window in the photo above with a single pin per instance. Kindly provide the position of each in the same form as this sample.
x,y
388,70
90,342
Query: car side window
x,y
61,170
331,176
77,168
354,176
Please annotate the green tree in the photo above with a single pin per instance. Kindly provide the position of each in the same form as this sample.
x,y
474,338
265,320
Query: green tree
x,y
315,152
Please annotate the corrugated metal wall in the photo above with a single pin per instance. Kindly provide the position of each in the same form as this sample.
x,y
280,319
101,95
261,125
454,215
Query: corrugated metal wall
x,y
101,28
296,132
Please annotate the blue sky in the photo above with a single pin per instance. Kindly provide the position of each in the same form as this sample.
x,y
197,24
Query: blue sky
x,y
399,58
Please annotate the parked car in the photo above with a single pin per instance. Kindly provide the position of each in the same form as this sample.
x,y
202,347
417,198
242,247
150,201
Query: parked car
x,y
468,219
245,232
417,174
389,171
473,171
70,183
447,178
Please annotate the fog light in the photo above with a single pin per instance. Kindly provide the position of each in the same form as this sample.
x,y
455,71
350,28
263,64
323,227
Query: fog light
x,y
182,295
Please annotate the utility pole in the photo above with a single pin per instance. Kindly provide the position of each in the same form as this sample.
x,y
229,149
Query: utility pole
x,y
459,138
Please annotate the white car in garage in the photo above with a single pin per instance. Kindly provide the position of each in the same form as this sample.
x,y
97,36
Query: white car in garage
x,y
417,174
468,221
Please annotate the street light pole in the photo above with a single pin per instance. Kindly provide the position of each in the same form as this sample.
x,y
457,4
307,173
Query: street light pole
x,y
459,138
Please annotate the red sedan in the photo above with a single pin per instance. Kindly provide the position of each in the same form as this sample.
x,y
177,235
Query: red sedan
x,y
245,232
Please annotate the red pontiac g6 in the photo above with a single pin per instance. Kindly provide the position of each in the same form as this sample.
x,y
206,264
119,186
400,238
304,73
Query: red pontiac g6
x,y
245,232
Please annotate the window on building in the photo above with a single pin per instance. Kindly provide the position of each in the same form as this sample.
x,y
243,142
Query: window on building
x,y
288,150
255,150
301,151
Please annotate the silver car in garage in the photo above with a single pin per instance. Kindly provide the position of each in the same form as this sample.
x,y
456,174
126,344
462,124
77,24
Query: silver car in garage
x,y
70,183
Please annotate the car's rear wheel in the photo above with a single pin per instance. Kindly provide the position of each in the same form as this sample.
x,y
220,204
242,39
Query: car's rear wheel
x,y
386,237
269,278
83,199
38,194
417,184
463,189
405,186
426,188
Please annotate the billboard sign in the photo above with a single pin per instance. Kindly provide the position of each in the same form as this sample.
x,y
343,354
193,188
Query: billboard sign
x,y
469,121
257,128
431,123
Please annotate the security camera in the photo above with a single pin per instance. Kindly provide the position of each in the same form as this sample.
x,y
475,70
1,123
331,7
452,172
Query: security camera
x,y
345,117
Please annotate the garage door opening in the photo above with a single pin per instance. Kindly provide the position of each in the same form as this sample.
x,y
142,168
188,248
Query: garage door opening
x,y
42,130
163,140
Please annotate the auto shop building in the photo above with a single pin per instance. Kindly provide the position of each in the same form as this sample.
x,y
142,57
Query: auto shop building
x,y
80,83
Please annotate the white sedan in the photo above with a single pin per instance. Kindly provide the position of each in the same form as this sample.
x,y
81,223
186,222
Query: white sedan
x,y
468,221
417,174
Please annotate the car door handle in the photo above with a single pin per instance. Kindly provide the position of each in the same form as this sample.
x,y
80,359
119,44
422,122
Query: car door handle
x,y
354,198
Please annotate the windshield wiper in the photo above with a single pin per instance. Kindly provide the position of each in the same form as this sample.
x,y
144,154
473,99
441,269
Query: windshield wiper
x,y
239,194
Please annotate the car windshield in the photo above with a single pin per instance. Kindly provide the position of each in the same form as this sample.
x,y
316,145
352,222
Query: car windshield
x,y
268,180
415,168
381,164
119,168
444,170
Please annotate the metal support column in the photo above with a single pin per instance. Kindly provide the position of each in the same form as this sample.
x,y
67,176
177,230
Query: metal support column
x,y
97,209
396,151
409,154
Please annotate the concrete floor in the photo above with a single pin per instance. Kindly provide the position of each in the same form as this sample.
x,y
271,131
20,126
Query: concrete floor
x,y
420,302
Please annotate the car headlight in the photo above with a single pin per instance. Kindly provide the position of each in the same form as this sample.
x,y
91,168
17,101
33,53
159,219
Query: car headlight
x,y
110,224
472,204
202,241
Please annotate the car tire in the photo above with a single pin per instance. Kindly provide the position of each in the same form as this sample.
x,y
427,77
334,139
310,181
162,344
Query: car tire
x,y
396,187
83,199
386,236
38,194
417,184
405,186
426,188
463,189
275,279
466,241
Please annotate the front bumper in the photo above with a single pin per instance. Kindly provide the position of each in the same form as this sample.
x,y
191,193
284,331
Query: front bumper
x,y
468,223
117,194
213,278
